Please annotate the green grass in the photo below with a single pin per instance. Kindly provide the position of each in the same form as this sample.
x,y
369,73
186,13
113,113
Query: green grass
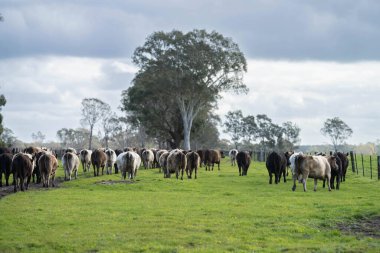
x,y
218,212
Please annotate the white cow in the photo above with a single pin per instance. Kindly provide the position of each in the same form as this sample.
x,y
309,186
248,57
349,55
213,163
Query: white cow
x,y
111,160
232,154
128,162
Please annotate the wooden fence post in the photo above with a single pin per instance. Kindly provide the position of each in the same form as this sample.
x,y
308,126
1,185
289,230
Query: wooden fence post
x,y
370,164
352,161
356,163
378,167
362,164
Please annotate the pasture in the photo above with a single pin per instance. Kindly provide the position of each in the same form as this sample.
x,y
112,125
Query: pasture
x,y
218,212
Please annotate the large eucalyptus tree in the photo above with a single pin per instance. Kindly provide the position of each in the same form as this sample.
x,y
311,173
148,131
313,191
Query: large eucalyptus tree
x,y
191,70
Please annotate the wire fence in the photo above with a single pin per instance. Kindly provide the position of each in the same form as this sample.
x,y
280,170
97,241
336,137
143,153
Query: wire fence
x,y
365,165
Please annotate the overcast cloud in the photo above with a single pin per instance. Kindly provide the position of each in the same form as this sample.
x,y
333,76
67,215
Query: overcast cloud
x,y
307,60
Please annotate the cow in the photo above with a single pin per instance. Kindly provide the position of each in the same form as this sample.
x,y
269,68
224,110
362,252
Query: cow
x,y
48,165
292,162
317,167
128,162
232,154
98,160
5,167
147,156
276,164
117,152
212,156
70,163
201,154
336,173
35,152
243,160
111,160
345,162
193,162
157,157
177,162
22,169
163,163
85,159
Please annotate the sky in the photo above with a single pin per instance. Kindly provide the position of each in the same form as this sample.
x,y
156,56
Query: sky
x,y
307,60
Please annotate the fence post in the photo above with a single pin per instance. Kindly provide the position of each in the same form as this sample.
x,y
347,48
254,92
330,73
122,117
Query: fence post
x,y
356,163
362,164
370,164
378,167
352,161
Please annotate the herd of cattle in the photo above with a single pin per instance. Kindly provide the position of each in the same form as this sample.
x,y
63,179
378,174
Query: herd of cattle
x,y
40,164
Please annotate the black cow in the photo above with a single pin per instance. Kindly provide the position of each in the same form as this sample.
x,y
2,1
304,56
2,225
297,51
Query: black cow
x,y
345,162
5,167
276,164
243,160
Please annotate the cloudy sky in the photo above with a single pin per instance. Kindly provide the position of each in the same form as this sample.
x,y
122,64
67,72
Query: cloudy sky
x,y
307,60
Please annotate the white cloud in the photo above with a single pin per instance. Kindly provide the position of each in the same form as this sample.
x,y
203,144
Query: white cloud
x,y
45,93
308,93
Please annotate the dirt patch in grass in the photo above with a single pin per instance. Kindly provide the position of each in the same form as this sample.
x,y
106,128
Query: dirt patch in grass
x,y
6,190
367,226
112,182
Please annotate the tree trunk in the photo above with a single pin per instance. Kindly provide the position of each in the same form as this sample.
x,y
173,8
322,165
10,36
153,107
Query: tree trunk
x,y
90,144
187,114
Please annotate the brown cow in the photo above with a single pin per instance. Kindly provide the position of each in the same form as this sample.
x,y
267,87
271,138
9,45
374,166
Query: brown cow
x,y
22,168
201,154
98,159
5,167
193,161
212,156
48,165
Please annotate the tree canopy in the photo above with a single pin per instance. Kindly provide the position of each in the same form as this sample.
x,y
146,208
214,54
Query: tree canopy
x,y
93,111
185,73
337,130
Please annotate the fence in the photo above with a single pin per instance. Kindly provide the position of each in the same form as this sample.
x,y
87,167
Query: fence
x,y
368,166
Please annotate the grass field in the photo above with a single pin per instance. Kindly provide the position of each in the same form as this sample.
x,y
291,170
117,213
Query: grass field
x,y
218,212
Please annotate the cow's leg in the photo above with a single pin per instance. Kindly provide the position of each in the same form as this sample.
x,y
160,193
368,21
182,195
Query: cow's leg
x,y
276,177
15,182
337,182
294,182
283,173
22,184
239,170
76,173
65,174
332,183
324,181
93,166
218,165
328,182
315,184
7,179
52,180
195,173
270,177
182,174
304,184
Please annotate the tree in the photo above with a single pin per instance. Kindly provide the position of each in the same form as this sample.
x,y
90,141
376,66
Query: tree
x,y
194,67
111,125
93,110
291,132
337,130
38,137
234,126
7,138
3,101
